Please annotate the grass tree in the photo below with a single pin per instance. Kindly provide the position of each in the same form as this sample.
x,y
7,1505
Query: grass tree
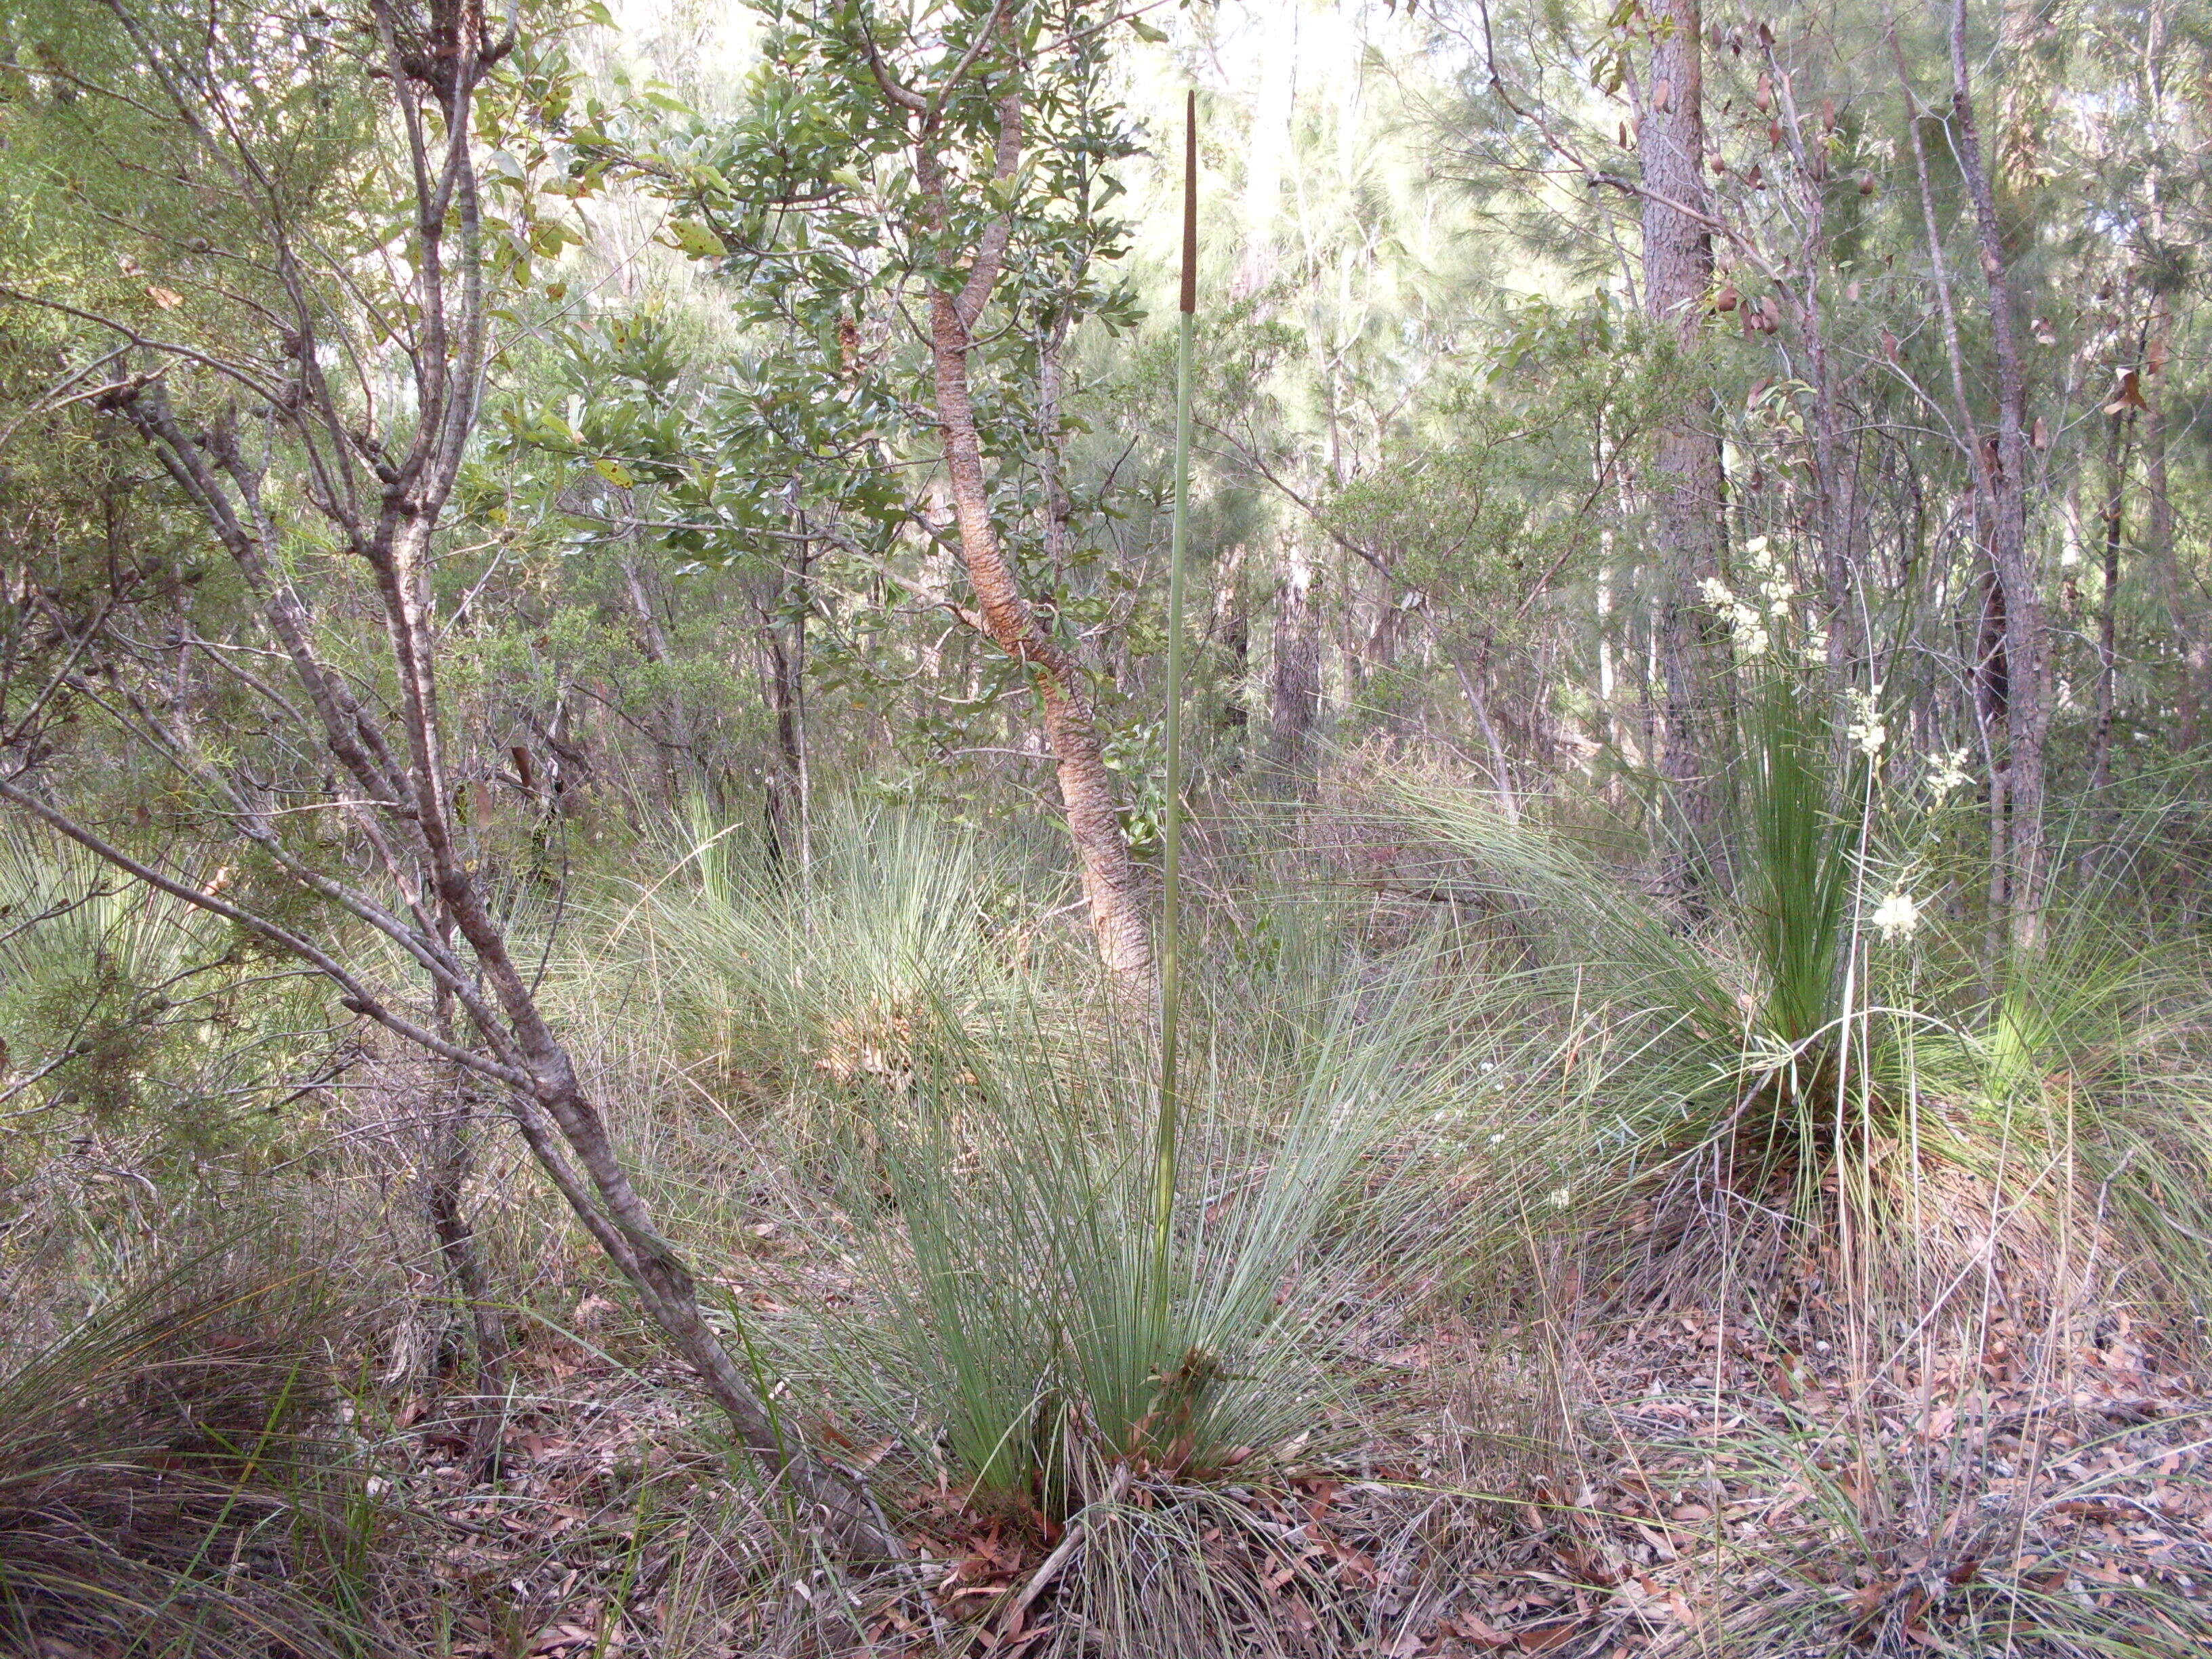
x,y
310,383
1761,1013
1029,1331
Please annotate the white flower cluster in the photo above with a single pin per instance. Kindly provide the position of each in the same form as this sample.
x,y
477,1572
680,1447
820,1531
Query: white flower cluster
x,y
1867,732
1774,584
1751,616
1749,627
1948,774
1897,916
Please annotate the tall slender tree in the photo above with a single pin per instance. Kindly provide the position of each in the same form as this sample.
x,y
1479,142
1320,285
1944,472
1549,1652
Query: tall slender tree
x,y
1686,469
966,270
916,200
2005,467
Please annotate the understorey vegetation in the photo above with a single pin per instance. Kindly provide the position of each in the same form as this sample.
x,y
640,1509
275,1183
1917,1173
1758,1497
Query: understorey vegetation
x,y
1062,830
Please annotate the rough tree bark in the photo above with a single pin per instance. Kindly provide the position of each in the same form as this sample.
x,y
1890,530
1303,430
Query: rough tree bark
x,y
787,805
1686,474
2112,518
2158,546
1294,699
2027,712
450,1162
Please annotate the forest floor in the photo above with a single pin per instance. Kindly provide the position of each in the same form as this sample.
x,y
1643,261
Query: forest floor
x,y
1667,1486
1505,1451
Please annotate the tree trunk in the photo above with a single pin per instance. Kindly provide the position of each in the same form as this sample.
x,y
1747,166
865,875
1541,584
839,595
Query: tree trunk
x,y
390,743
451,1161
2112,514
1294,700
1686,482
675,738
1501,767
1987,673
2027,713
1835,464
1058,507
1110,883
2191,637
1230,628
787,808
1992,683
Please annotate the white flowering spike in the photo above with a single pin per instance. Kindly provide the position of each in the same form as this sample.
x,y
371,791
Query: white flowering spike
x,y
1897,916
1744,620
1561,1198
1948,774
1867,732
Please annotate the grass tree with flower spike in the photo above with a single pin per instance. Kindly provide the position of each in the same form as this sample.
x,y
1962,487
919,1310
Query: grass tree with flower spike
x,y
1778,1061
1063,1324
1166,1149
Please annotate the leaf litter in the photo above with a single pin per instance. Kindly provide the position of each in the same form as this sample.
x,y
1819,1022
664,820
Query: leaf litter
x,y
1697,1490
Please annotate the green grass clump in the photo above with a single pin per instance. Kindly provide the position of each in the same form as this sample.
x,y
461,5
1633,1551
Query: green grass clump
x,y
897,938
1020,1329
1769,1064
167,1483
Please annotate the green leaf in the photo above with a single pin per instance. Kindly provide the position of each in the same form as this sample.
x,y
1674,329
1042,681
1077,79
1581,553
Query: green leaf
x,y
696,240
615,473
